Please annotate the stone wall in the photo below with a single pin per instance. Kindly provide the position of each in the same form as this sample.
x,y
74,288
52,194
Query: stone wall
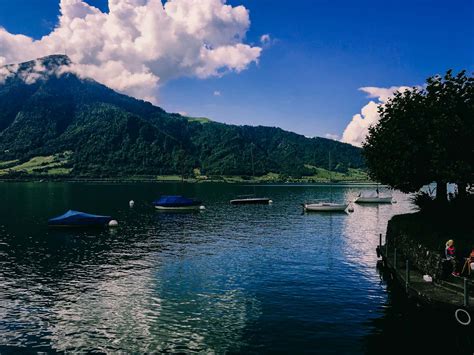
x,y
407,234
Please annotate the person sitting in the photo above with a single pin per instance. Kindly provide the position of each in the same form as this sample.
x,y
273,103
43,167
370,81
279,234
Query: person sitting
x,y
450,254
469,264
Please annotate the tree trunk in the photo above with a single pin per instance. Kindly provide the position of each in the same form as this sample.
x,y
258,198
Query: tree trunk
x,y
441,191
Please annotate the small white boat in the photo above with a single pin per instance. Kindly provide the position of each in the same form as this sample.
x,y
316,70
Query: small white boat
x,y
373,199
325,207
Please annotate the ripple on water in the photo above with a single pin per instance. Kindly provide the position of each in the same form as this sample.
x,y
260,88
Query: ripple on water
x,y
229,279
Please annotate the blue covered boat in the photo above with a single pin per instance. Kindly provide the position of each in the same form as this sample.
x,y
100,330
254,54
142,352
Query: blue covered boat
x,y
177,203
79,219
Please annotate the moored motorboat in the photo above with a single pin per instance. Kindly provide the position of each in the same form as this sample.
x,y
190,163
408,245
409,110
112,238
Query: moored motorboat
x,y
251,201
80,219
373,199
177,203
325,207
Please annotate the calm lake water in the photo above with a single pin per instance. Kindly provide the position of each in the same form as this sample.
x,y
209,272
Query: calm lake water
x,y
231,279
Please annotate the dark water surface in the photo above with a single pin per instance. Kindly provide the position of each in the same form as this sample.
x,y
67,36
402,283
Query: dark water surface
x,y
230,279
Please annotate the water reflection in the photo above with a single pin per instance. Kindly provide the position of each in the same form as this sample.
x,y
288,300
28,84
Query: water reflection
x,y
229,279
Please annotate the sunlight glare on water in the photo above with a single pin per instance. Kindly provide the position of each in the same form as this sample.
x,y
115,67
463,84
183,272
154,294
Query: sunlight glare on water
x,y
228,279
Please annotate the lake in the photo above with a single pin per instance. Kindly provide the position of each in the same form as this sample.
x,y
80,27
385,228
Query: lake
x,y
230,279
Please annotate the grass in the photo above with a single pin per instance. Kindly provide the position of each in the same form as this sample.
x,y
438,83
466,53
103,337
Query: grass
x,y
169,178
59,171
5,164
48,165
55,165
321,174
201,120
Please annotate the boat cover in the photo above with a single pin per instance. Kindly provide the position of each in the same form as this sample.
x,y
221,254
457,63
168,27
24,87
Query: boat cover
x,y
75,218
371,194
175,201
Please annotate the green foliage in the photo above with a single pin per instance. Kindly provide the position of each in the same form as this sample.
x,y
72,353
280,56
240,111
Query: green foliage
x,y
422,200
425,135
56,164
115,135
457,207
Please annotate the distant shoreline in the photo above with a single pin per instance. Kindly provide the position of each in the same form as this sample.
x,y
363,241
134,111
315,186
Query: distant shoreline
x,y
176,179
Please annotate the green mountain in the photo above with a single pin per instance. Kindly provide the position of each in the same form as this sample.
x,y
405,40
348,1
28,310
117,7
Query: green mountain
x,y
54,121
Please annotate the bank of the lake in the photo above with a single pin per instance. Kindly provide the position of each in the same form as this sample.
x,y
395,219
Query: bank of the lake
x,y
414,248
235,179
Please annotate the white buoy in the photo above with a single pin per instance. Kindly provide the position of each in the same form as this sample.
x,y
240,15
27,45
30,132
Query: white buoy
x,y
131,203
202,208
113,223
270,201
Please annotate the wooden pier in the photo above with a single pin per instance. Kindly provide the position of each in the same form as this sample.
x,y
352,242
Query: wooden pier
x,y
456,294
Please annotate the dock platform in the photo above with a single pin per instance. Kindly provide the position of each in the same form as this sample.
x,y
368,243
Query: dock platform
x,y
456,294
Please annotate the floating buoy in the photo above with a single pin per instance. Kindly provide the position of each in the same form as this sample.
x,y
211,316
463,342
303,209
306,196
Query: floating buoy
x,y
394,201
202,208
350,208
270,201
131,203
462,316
113,223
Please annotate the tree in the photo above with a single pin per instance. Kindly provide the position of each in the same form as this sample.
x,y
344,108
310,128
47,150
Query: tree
x,y
425,135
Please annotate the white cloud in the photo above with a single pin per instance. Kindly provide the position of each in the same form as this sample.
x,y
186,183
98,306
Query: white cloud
x,y
217,93
140,44
332,136
6,72
357,130
264,39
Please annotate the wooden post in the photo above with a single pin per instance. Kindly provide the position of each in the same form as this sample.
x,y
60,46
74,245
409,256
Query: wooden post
x,y
466,292
395,258
407,274
380,240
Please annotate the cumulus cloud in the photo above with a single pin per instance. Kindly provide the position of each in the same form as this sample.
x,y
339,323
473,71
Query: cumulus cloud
x,y
332,136
140,44
357,130
217,93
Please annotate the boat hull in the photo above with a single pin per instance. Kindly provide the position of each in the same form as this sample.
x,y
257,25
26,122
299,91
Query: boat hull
x,y
373,200
251,201
180,208
325,207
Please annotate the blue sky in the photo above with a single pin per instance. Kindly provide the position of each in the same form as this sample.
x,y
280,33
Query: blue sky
x,y
321,52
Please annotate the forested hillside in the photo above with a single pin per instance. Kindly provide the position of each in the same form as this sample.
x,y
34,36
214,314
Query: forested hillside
x,y
91,130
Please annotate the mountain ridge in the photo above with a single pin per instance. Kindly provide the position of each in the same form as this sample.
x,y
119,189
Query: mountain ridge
x,y
46,109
